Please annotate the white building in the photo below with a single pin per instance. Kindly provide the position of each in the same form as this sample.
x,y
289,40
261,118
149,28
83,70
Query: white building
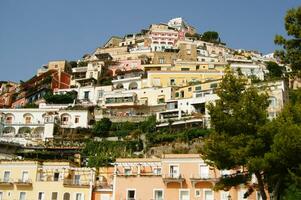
x,y
92,70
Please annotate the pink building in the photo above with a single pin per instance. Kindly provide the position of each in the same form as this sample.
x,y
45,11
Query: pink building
x,y
173,177
126,65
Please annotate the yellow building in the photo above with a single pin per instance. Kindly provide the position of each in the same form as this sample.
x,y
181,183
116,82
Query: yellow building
x,y
31,180
188,91
180,78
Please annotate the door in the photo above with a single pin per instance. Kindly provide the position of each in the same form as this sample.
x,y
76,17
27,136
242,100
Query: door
x,y
24,176
184,195
174,171
204,171
105,197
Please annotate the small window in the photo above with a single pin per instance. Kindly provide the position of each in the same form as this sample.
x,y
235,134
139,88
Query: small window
x,y
131,195
41,196
213,85
177,94
161,100
86,95
76,120
6,176
189,89
54,196
172,82
1,195
77,179
66,196
157,171
127,171
56,176
161,60
78,196
197,67
22,196
184,69
158,194
197,193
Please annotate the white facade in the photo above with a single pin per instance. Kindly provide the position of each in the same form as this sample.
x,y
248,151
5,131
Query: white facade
x,y
27,126
74,118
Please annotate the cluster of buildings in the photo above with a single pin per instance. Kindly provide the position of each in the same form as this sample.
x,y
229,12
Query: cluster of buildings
x,y
173,176
165,70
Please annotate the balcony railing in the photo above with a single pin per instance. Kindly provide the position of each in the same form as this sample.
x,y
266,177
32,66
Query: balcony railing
x,y
23,182
76,183
202,178
6,181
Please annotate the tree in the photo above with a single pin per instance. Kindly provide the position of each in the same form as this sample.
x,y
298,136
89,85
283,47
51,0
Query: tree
x,y
211,36
102,127
237,118
67,98
291,52
275,70
73,64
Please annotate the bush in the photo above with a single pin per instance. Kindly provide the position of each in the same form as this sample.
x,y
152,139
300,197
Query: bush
x,y
60,98
102,127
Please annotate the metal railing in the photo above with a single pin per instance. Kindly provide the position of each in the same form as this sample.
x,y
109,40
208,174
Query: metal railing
x,y
75,182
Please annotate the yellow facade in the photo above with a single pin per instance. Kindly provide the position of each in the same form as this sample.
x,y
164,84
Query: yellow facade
x,y
188,91
31,180
180,79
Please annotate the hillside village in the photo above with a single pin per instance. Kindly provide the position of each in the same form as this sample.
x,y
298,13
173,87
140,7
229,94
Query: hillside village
x,y
130,111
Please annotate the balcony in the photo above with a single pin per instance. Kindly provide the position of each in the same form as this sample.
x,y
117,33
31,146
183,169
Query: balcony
x,y
6,182
173,178
76,183
22,182
201,178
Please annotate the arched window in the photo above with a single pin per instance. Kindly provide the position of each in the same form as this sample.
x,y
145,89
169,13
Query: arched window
x,y
119,86
133,86
65,119
66,196
28,118
9,118
273,101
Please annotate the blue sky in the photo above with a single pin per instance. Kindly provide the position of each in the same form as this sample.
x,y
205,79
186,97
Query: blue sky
x,y
33,32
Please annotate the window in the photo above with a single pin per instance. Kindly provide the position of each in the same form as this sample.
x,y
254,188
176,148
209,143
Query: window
x,y
161,60
1,195
91,75
158,194
157,171
198,88
131,195
22,196
56,176
225,195
6,176
177,94
208,194
241,194
77,179
9,120
172,82
86,95
79,196
189,89
161,100
197,67
54,196
213,85
76,119
24,176
204,171
184,69
127,171
27,120
174,171
41,196
197,193
184,195
66,196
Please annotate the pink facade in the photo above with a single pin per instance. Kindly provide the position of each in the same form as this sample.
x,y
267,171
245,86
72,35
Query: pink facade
x,y
174,177
126,65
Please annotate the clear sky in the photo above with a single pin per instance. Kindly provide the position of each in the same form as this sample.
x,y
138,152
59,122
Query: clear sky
x,y
33,32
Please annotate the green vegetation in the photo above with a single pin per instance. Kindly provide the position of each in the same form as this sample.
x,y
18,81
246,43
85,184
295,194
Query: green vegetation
x,y
102,127
275,71
291,52
60,98
236,119
104,152
211,36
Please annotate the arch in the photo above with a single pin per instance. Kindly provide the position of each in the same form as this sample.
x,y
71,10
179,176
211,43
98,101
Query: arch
x,y
9,131
28,118
9,118
24,132
66,196
133,86
272,101
38,132
119,86
65,119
